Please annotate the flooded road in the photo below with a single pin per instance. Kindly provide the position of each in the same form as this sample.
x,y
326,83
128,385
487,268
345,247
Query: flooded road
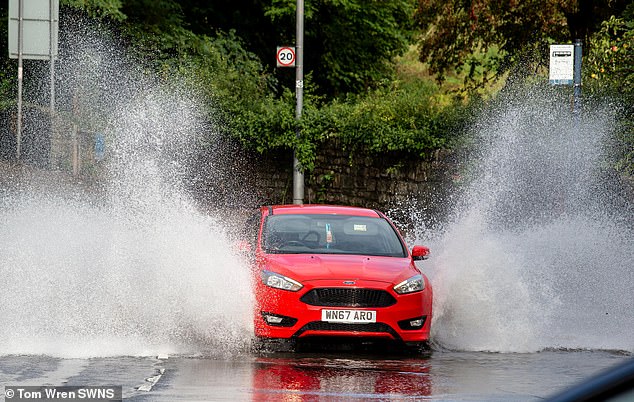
x,y
534,263
440,375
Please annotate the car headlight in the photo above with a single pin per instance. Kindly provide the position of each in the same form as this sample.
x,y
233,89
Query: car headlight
x,y
414,284
280,281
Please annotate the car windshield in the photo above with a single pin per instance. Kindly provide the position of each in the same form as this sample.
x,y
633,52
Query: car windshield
x,y
330,234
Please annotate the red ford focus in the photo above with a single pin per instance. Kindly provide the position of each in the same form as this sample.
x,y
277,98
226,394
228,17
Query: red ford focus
x,y
337,271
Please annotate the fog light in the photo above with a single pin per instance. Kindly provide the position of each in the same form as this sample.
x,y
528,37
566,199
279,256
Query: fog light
x,y
416,323
271,319
278,320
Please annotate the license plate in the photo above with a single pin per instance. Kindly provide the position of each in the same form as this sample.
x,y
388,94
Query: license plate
x,y
349,316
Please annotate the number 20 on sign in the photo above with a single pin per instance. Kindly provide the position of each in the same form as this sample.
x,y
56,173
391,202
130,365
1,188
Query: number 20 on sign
x,y
285,56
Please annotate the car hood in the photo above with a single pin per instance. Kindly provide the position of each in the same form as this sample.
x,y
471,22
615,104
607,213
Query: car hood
x,y
309,267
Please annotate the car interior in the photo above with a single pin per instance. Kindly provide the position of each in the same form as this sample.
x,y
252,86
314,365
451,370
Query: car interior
x,y
334,234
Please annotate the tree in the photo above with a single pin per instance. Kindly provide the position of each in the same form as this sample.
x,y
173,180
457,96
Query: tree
x,y
97,8
459,34
610,63
349,44
609,73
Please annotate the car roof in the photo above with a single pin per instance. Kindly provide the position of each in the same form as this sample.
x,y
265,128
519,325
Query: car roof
x,y
321,209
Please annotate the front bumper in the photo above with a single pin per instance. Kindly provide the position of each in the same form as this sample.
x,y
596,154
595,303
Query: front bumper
x,y
296,319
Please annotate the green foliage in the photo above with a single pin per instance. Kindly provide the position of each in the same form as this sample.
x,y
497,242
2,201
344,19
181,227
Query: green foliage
x,y
610,62
458,34
7,89
158,29
242,95
387,119
8,70
236,89
360,40
97,8
399,118
350,45
609,72
267,124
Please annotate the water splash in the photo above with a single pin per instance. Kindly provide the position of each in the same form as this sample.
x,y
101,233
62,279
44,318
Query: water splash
x,y
132,266
539,253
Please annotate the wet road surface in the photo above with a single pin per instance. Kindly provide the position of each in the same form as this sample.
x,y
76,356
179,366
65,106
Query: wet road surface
x,y
438,375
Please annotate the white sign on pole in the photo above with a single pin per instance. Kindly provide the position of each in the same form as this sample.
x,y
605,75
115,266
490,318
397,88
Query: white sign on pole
x,y
285,56
37,17
562,62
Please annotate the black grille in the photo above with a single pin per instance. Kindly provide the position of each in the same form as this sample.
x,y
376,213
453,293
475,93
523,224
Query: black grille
x,y
348,297
334,326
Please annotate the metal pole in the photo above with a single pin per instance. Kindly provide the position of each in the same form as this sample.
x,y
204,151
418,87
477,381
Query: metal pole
x,y
74,135
53,43
18,137
298,174
577,78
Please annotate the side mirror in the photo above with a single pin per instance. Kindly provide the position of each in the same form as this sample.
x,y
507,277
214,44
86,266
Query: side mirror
x,y
420,253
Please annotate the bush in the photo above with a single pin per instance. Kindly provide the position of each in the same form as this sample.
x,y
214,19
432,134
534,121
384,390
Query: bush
x,y
403,117
609,72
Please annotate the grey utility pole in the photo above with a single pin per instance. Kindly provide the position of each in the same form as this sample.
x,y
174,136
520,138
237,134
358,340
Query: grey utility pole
x,y
577,78
53,51
298,174
18,135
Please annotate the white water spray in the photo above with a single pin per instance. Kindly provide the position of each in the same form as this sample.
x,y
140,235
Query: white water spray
x,y
132,267
539,254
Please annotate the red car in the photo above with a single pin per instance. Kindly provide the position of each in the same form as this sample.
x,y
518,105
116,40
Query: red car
x,y
334,271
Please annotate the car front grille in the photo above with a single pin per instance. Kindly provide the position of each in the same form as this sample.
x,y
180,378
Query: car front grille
x,y
336,326
348,297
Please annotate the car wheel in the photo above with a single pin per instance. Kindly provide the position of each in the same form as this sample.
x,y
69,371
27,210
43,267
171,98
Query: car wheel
x,y
420,348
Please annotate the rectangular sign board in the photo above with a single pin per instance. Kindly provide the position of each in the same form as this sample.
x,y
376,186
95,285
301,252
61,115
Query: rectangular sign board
x,y
562,64
37,17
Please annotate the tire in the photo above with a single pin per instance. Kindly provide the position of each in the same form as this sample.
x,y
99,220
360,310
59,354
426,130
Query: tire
x,y
420,348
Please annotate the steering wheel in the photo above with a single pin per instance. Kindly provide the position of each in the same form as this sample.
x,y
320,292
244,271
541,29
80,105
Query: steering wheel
x,y
309,234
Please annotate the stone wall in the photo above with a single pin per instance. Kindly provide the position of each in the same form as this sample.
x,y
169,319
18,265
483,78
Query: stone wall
x,y
378,181
239,178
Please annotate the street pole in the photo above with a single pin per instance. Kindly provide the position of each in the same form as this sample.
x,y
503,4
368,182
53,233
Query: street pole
x,y
298,174
52,43
18,135
577,78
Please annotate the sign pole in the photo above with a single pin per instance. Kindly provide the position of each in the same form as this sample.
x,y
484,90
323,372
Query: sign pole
x,y
577,78
52,43
298,174
18,136
33,35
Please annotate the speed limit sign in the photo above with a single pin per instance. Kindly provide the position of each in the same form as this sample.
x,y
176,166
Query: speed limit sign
x,y
285,56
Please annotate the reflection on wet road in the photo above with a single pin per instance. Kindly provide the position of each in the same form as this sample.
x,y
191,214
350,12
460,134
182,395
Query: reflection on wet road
x,y
440,375
316,377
